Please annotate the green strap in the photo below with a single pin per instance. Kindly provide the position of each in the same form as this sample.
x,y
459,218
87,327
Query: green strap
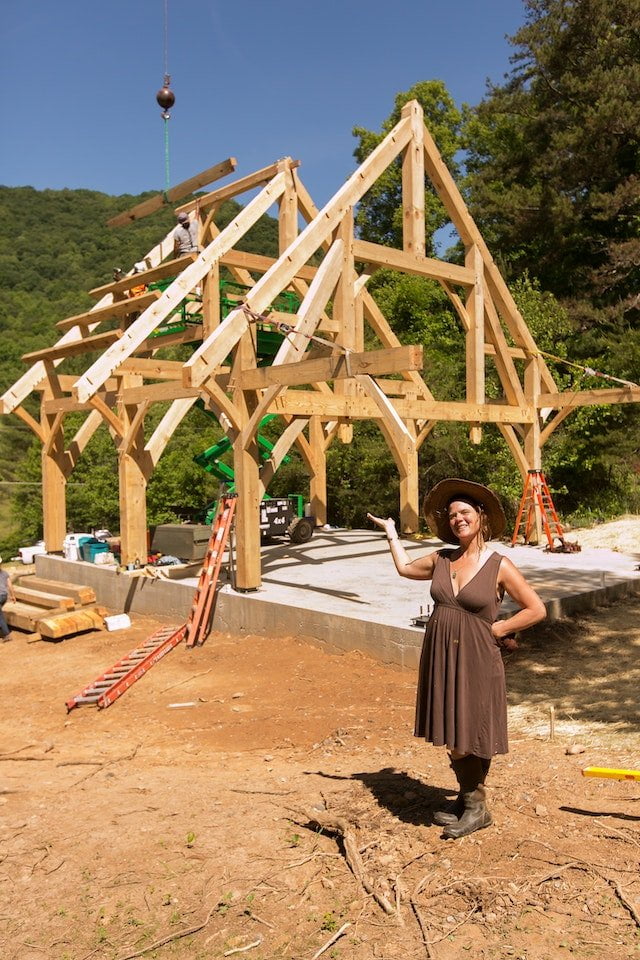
x,y
167,181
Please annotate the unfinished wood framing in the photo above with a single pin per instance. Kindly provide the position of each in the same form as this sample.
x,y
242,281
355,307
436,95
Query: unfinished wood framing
x,y
321,379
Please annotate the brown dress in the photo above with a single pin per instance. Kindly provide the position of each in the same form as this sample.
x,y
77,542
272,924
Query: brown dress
x,y
462,700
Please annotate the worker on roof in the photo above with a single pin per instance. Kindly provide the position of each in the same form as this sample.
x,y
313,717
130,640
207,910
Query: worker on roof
x,y
139,288
185,236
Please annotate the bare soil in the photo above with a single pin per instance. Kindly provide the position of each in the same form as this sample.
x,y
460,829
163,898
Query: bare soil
x,y
181,821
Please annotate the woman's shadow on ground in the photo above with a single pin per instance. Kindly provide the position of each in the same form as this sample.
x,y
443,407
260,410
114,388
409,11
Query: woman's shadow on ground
x,y
406,798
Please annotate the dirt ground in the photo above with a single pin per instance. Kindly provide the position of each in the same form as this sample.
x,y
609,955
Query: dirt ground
x,y
265,798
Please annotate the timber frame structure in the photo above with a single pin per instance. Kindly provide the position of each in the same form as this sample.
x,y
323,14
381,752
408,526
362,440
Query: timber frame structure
x,y
336,382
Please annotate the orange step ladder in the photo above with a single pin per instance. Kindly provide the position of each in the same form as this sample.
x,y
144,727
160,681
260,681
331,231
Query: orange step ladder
x,y
114,682
536,495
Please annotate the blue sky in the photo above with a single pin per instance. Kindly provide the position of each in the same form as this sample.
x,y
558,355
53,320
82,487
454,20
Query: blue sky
x,y
254,79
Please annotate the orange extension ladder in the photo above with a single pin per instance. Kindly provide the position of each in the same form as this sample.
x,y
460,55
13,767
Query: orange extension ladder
x,y
197,625
123,674
536,494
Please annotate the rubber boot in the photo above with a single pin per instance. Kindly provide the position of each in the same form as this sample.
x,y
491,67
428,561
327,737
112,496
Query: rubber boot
x,y
454,810
471,774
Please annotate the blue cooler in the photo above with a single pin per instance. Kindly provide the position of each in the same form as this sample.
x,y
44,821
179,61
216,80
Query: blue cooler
x,y
91,548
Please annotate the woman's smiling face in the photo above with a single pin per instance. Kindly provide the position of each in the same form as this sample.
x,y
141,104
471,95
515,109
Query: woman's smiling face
x,y
464,519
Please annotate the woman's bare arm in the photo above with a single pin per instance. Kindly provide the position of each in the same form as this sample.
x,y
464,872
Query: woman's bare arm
x,y
420,568
532,608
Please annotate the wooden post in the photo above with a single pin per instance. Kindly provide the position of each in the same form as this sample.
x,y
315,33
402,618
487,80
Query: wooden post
x,y
54,484
133,481
246,467
475,338
344,311
211,300
532,445
318,481
413,183
409,492
287,208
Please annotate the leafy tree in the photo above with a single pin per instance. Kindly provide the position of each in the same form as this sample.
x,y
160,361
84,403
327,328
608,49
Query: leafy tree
x,y
553,161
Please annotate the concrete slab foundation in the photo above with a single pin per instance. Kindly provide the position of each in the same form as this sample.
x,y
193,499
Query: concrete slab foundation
x,y
341,589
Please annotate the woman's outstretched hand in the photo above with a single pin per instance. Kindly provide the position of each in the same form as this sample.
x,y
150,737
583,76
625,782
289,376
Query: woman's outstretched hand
x,y
388,525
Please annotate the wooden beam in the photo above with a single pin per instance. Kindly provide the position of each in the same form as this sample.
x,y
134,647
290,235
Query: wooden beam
x,y
119,308
513,442
175,193
260,264
174,416
152,369
413,238
320,289
446,188
588,398
474,338
380,256
217,346
93,379
257,179
336,366
170,268
305,403
74,348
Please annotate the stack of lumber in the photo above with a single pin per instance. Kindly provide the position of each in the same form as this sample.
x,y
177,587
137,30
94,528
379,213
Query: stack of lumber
x,y
52,609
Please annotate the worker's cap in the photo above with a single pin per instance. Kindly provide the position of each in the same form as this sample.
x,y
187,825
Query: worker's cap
x,y
436,507
183,217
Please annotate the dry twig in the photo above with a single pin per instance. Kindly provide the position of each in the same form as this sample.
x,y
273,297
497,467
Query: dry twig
x,y
173,936
249,946
340,826
330,943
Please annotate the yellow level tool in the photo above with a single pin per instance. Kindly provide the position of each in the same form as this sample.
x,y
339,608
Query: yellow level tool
x,y
608,774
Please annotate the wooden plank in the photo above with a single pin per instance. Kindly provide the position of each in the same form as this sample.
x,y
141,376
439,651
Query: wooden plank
x,y
374,253
174,193
39,598
65,624
75,348
170,268
119,308
79,592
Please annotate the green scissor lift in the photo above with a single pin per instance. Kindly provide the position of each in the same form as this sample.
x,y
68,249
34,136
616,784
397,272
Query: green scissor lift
x,y
278,515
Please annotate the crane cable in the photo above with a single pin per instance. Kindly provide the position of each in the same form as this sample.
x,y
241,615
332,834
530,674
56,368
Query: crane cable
x,y
165,99
165,115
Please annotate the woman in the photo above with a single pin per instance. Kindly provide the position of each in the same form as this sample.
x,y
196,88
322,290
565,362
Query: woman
x,y
461,700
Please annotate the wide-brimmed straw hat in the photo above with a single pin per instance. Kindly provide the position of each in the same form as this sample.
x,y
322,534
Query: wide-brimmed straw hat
x,y
436,503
